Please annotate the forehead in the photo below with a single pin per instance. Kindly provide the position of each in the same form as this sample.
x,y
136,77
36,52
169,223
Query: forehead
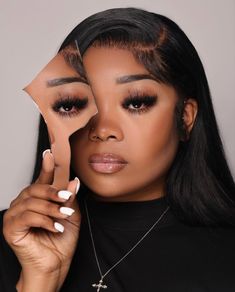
x,y
111,61
57,67
109,67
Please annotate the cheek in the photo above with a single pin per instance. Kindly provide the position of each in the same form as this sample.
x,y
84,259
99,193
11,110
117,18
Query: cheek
x,y
154,145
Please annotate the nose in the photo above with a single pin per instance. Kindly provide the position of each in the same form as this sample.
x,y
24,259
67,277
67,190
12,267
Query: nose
x,y
105,128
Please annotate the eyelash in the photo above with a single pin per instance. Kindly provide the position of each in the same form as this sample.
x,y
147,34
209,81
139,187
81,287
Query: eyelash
x,y
69,103
139,100
79,104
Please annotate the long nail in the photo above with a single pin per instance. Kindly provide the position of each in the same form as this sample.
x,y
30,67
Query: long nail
x,y
59,227
64,194
45,151
78,184
66,211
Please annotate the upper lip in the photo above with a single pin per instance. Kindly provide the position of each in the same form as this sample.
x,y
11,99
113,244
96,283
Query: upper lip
x,y
106,158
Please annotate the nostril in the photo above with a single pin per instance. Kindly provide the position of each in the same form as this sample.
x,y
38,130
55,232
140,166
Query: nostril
x,y
103,137
95,137
112,137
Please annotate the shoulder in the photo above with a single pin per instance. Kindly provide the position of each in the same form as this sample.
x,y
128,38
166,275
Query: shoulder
x,y
210,238
214,247
201,253
223,239
215,236
215,250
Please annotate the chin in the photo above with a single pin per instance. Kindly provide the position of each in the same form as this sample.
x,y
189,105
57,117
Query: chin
x,y
107,193
113,193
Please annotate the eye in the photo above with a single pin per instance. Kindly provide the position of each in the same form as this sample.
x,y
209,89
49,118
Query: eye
x,y
69,106
139,103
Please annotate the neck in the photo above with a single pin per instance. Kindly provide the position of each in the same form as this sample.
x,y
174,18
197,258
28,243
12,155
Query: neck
x,y
146,194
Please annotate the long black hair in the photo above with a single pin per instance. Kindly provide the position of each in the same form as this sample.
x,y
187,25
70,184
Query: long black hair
x,y
199,188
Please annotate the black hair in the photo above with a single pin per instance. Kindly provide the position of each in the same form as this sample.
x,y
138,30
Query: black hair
x,y
199,188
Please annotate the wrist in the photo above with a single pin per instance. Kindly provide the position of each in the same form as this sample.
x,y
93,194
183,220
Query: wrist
x,y
36,282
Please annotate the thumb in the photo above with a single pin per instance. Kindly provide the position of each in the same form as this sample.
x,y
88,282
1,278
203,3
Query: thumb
x,y
47,171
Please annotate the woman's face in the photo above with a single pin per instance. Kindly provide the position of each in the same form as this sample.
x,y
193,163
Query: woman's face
x,y
125,151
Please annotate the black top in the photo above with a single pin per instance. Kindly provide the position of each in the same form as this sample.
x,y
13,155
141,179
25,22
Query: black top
x,y
174,257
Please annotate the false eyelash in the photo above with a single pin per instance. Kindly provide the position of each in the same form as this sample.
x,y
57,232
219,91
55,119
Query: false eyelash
x,y
147,100
69,102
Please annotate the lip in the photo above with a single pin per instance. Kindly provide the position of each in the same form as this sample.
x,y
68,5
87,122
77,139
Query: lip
x,y
106,162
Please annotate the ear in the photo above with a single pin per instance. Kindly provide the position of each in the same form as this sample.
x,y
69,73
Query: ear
x,y
189,114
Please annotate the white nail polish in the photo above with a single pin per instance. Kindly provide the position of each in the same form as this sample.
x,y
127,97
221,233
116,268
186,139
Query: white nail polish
x,y
66,211
64,194
45,151
78,184
59,227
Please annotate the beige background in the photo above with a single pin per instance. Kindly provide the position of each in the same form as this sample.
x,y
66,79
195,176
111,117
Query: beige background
x,y
30,34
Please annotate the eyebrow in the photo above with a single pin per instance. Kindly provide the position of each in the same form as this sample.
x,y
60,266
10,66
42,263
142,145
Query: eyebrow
x,y
132,78
64,80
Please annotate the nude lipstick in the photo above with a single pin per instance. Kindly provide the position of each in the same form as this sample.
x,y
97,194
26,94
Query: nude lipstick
x,y
106,162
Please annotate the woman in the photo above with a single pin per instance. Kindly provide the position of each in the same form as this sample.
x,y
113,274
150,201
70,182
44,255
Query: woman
x,y
155,211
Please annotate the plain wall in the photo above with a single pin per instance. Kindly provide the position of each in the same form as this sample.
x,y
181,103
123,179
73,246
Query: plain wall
x,y
30,34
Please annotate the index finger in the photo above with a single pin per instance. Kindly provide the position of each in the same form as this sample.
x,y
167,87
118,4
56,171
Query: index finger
x,y
47,170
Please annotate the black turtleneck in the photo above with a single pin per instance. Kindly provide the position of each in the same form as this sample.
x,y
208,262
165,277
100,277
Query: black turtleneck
x,y
172,257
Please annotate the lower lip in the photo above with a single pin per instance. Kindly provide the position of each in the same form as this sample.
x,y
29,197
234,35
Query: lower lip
x,y
107,167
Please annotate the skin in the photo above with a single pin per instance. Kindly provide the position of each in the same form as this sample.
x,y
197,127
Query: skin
x,y
147,141
44,254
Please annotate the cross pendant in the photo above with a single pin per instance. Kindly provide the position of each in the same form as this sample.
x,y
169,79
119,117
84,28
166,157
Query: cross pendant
x,y
99,286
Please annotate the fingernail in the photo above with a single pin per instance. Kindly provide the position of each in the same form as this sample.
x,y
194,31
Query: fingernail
x,y
78,184
66,211
45,151
59,227
64,194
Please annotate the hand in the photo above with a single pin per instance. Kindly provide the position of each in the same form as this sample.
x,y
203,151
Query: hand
x,y
33,226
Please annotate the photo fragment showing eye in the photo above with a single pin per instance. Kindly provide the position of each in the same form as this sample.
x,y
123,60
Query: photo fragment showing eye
x,y
139,103
69,106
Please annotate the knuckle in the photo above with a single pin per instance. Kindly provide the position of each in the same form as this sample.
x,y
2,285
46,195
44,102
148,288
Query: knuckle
x,y
22,194
57,210
51,191
25,216
28,202
13,202
45,221
48,206
52,209
26,190
46,171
